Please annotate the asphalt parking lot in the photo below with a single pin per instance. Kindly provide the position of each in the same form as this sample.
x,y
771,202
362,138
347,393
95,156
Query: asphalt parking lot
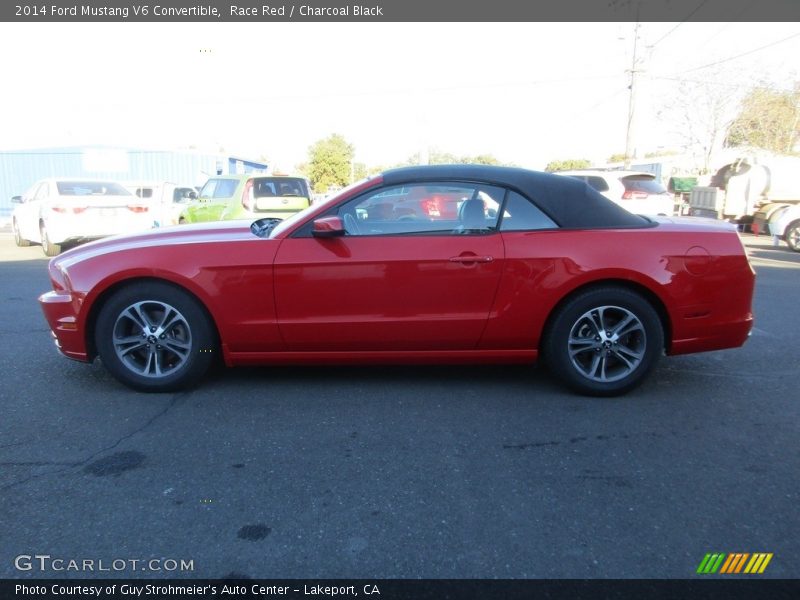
x,y
432,472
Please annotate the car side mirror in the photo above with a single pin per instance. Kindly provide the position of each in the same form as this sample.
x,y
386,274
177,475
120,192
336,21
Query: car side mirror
x,y
192,195
16,199
328,227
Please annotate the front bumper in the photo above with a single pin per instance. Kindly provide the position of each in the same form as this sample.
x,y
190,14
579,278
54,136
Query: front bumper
x,y
58,308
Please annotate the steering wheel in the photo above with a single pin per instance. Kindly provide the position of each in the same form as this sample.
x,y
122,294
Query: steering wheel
x,y
350,224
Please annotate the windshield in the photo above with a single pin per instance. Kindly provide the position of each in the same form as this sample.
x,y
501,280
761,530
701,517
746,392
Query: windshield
x,y
643,183
91,188
297,217
280,186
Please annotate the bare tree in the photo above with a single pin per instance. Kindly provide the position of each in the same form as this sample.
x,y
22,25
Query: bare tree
x,y
700,112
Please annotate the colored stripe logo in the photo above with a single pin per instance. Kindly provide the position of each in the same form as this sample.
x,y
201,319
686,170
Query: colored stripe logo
x,y
734,563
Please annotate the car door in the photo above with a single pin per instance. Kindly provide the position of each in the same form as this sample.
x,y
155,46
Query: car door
x,y
214,197
395,281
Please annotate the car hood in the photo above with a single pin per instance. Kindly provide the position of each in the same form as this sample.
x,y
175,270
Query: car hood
x,y
228,231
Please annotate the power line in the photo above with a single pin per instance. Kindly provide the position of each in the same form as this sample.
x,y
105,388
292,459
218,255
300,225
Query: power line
x,y
456,87
773,88
661,39
754,50
734,19
586,111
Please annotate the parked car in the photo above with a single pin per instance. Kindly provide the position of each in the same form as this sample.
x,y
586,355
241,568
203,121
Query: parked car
x,y
532,266
784,223
233,197
639,193
166,199
57,212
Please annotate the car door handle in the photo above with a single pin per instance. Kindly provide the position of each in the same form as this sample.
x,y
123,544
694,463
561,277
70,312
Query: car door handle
x,y
471,259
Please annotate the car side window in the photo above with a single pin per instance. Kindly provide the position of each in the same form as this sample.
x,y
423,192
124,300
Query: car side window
x,y
225,188
520,214
41,192
219,188
436,208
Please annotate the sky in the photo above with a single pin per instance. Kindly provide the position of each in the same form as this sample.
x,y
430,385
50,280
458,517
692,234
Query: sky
x,y
526,93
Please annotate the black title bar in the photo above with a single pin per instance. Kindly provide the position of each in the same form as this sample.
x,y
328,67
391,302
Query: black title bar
x,y
399,10
733,588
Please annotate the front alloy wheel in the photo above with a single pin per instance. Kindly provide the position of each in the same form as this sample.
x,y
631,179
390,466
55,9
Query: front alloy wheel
x,y
155,337
604,341
152,338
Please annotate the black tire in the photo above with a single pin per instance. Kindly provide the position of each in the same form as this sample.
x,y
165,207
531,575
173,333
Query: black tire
x,y
792,236
18,239
155,337
49,248
604,341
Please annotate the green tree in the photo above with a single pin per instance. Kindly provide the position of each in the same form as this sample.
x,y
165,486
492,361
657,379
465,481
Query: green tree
x,y
564,165
437,157
659,153
618,157
484,159
767,119
330,163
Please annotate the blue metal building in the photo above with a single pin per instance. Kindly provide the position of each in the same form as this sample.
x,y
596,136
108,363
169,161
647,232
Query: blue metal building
x,y
20,169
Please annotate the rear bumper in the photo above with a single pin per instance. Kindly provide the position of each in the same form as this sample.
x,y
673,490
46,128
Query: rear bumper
x,y
715,337
59,312
64,231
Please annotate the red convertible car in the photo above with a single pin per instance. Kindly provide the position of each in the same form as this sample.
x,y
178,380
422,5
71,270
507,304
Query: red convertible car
x,y
523,266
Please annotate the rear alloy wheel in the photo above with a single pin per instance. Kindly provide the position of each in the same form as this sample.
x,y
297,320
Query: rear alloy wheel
x,y
155,337
793,236
18,239
604,342
50,249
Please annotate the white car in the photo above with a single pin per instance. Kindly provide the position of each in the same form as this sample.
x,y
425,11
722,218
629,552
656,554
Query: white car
x,y
637,192
57,212
785,224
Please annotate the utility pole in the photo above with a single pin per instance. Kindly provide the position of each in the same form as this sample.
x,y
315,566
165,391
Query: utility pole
x,y
632,94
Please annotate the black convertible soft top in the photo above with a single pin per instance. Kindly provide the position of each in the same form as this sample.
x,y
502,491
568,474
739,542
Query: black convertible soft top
x,y
568,201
